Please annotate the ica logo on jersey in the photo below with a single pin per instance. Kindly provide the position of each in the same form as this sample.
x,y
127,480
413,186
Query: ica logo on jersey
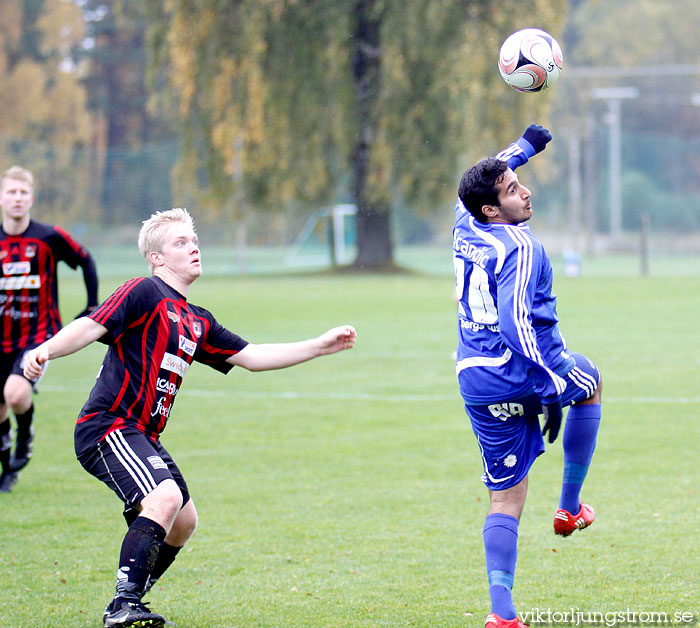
x,y
165,386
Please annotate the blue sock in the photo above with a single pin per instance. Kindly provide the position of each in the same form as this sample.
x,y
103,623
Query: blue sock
x,y
580,433
501,545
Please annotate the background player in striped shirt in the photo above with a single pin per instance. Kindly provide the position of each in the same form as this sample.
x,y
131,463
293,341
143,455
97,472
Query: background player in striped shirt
x,y
513,363
154,334
29,255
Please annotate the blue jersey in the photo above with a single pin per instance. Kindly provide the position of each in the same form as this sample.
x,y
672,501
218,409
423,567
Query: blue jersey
x,y
509,342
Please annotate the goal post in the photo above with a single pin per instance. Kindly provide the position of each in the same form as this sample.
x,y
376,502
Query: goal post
x,y
328,238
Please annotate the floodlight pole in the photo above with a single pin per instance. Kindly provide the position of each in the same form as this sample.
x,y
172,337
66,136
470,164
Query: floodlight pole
x,y
614,96
575,187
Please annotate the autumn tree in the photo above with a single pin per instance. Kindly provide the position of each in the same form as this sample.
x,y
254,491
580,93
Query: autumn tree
x,y
281,100
133,143
44,124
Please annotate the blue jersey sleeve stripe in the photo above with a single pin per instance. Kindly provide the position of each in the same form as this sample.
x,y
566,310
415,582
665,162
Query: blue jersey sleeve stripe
x,y
526,334
514,156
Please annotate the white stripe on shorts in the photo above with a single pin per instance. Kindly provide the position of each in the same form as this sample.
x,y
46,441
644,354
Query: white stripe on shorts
x,y
131,462
583,380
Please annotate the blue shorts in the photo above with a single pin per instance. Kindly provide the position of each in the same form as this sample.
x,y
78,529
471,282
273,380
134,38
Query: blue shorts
x,y
509,434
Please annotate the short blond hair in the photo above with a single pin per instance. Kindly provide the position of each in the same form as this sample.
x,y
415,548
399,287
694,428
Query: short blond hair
x,y
151,236
18,174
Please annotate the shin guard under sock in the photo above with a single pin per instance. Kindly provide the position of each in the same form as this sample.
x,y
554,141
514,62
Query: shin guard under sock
x,y
24,423
500,536
138,557
166,557
580,434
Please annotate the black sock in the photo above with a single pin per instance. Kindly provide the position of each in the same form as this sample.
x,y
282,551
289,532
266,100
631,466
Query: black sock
x,y
130,515
24,422
165,559
139,554
5,445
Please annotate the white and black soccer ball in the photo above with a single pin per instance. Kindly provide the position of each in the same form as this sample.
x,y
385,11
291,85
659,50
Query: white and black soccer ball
x,y
530,60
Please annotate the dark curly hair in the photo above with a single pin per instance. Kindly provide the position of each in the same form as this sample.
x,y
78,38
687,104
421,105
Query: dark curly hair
x,y
478,186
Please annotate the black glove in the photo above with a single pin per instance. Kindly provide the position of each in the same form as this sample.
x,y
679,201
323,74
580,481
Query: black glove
x,y
552,419
88,310
534,139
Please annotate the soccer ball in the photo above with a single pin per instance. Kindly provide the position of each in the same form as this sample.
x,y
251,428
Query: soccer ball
x,y
530,60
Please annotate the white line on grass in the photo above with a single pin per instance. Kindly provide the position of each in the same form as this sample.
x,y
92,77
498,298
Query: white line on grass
x,y
358,396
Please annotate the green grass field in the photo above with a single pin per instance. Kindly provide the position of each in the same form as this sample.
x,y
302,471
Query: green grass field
x,y
345,492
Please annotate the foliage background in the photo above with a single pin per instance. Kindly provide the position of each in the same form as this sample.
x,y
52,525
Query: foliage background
x,y
246,112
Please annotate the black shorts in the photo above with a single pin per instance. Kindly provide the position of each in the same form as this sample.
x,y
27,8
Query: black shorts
x,y
132,465
13,364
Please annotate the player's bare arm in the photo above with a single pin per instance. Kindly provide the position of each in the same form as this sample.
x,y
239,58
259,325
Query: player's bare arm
x,y
267,357
73,337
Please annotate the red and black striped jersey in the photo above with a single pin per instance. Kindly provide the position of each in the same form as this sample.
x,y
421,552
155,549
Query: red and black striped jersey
x,y
29,283
154,335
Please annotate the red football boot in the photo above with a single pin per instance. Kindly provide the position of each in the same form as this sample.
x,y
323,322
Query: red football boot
x,y
565,523
494,621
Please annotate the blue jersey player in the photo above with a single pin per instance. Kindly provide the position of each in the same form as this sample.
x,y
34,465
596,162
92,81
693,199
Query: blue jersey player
x,y
153,335
513,363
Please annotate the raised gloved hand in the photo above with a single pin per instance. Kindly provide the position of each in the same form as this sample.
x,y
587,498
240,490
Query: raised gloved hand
x,y
552,419
534,139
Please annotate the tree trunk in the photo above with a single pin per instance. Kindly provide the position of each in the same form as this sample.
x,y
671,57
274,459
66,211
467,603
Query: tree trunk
x,y
374,245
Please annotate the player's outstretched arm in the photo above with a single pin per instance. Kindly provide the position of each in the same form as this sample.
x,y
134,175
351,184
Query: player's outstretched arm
x,y
73,337
534,140
267,357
